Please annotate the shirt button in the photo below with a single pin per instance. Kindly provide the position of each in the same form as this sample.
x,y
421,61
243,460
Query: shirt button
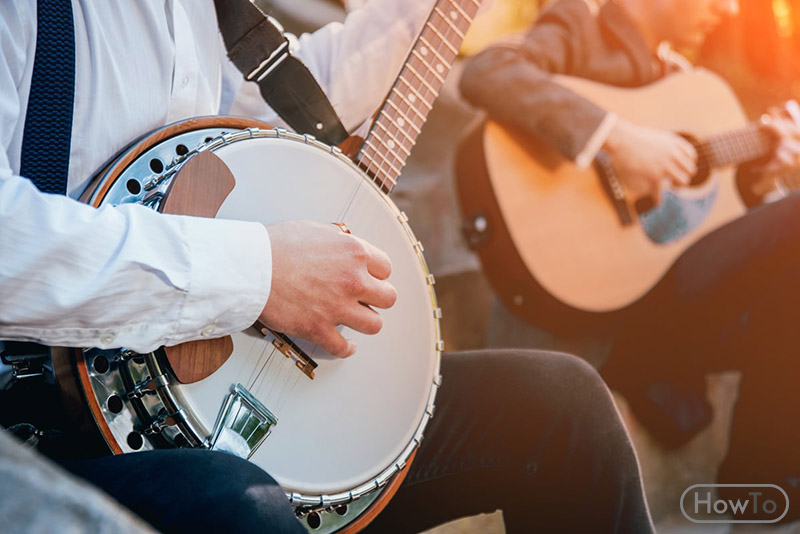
x,y
208,330
106,339
184,81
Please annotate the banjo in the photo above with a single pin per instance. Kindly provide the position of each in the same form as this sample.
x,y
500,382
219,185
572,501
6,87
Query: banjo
x,y
338,435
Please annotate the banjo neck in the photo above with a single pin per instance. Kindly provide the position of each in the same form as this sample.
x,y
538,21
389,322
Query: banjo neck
x,y
397,123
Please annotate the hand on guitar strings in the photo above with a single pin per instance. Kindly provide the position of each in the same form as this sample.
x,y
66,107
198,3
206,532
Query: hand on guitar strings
x,y
644,158
783,123
322,278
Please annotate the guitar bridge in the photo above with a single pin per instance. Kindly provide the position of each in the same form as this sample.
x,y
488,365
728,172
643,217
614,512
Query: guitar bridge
x,y
290,349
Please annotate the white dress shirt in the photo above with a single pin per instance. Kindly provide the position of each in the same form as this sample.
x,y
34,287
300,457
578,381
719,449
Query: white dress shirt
x,y
73,275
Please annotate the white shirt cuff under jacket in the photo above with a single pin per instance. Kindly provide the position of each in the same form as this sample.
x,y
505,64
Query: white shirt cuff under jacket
x,y
596,141
70,274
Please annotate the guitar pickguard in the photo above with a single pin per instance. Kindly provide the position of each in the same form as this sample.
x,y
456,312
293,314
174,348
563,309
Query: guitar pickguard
x,y
676,216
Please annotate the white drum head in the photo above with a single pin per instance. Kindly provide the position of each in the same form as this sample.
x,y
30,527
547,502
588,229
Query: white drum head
x,y
357,416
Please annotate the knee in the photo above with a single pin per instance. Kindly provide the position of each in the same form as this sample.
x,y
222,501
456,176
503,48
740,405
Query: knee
x,y
243,497
562,376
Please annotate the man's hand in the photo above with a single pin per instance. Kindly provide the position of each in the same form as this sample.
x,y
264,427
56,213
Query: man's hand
x,y
322,278
645,157
784,125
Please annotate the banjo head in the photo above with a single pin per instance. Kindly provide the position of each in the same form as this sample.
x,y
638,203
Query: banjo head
x,y
351,428
356,416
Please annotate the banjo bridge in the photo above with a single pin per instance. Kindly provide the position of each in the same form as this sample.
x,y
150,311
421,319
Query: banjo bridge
x,y
290,349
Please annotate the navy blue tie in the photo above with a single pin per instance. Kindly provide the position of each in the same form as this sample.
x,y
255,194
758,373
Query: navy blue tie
x,y
48,122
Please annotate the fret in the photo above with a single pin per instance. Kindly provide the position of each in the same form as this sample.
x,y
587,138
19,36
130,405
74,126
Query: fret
x,y
414,93
444,41
400,123
394,139
365,155
461,11
379,158
449,22
389,153
423,80
428,65
368,142
403,115
407,102
435,52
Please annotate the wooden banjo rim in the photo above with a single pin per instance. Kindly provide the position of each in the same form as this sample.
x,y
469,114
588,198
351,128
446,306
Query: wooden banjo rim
x,y
104,179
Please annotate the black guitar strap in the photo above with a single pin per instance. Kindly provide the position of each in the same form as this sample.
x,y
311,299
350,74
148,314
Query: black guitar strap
x,y
260,51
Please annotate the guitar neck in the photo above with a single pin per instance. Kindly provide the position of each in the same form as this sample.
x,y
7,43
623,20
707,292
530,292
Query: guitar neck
x,y
738,146
399,120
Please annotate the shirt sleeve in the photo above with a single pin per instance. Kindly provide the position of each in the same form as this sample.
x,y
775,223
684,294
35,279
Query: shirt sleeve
x,y
513,81
74,275
125,276
354,62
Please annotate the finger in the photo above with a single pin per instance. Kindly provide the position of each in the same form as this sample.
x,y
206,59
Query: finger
x,y
777,128
686,163
775,111
363,319
785,157
332,342
792,145
677,174
793,109
378,263
688,150
379,293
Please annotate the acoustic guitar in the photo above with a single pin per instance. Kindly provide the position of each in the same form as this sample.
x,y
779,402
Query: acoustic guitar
x,y
540,222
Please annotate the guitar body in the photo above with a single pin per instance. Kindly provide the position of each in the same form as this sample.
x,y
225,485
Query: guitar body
x,y
545,223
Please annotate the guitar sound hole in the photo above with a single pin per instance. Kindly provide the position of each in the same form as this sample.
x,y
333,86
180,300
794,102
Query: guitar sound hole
x,y
181,150
135,441
114,404
100,365
314,520
156,165
341,510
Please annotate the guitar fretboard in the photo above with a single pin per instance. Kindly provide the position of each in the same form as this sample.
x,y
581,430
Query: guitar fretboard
x,y
399,121
738,146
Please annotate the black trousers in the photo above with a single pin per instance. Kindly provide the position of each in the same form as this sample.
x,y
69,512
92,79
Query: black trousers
x,y
534,434
729,302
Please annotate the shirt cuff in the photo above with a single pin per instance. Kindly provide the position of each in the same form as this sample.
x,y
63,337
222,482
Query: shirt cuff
x,y
586,156
229,279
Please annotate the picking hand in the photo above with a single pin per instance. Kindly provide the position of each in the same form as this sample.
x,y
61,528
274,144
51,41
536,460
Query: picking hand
x,y
645,157
322,278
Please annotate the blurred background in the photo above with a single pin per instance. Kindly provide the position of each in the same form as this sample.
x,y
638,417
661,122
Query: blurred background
x,y
755,52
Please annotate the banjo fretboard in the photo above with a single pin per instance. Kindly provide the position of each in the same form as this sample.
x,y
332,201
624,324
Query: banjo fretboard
x,y
399,121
